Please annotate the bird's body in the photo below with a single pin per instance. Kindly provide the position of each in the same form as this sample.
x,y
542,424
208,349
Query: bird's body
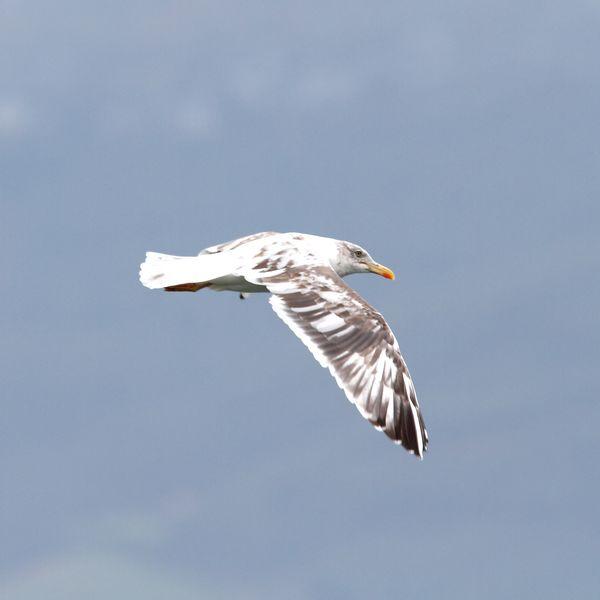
x,y
345,334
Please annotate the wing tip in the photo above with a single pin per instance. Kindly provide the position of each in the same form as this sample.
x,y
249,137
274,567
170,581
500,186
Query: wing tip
x,y
417,452
408,431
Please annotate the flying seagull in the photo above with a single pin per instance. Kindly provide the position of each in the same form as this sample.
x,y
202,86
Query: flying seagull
x,y
347,335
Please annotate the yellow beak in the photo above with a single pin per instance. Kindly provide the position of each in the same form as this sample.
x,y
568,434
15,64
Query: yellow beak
x,y
381,270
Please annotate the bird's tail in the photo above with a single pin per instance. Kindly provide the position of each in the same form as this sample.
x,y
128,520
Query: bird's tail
x,y
165,270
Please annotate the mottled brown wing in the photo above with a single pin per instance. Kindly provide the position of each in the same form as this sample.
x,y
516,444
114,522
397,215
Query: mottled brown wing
x,y
231,245
351,339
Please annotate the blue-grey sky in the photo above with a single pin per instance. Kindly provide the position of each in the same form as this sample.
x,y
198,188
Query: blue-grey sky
x,y
188,446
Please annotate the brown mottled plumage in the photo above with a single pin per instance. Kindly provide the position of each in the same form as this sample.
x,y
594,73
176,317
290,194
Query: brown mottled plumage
x,y
344,333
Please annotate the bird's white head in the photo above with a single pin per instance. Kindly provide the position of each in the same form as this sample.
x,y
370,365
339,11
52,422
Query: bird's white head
x,y
351,258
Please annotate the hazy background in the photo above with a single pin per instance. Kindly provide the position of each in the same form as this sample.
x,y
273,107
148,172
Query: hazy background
x,y
160,446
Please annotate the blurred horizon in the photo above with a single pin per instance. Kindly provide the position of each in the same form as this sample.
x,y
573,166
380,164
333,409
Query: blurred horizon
x,y
187,445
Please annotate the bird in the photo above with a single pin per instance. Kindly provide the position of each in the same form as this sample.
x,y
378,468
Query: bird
x,y
303,273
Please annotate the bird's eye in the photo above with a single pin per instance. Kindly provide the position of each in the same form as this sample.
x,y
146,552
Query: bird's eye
x,y
359,253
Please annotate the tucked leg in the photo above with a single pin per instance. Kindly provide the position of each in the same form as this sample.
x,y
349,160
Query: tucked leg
x,y
187,287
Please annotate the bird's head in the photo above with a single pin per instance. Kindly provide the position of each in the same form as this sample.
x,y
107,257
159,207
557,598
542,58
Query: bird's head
x,y
354,259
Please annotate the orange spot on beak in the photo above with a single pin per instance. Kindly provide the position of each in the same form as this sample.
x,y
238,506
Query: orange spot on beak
x,y
381,270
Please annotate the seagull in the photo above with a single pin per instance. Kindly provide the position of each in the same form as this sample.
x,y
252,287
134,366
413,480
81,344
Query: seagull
x,y
303,273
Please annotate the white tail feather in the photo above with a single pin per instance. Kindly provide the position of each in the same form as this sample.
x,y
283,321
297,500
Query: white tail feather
x,y
164,270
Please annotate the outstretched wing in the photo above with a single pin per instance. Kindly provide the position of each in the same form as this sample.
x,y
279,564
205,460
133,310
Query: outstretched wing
x,y
233,244
350,338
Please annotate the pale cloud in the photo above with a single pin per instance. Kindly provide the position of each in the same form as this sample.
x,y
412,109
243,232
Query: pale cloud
x,y
188,118
256,83
275,81
98,577
143,527
429,56
117,576
16,118
321,87
121,120
196,119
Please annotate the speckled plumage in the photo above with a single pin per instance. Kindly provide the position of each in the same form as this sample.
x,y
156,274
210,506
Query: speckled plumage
x,y
344,333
